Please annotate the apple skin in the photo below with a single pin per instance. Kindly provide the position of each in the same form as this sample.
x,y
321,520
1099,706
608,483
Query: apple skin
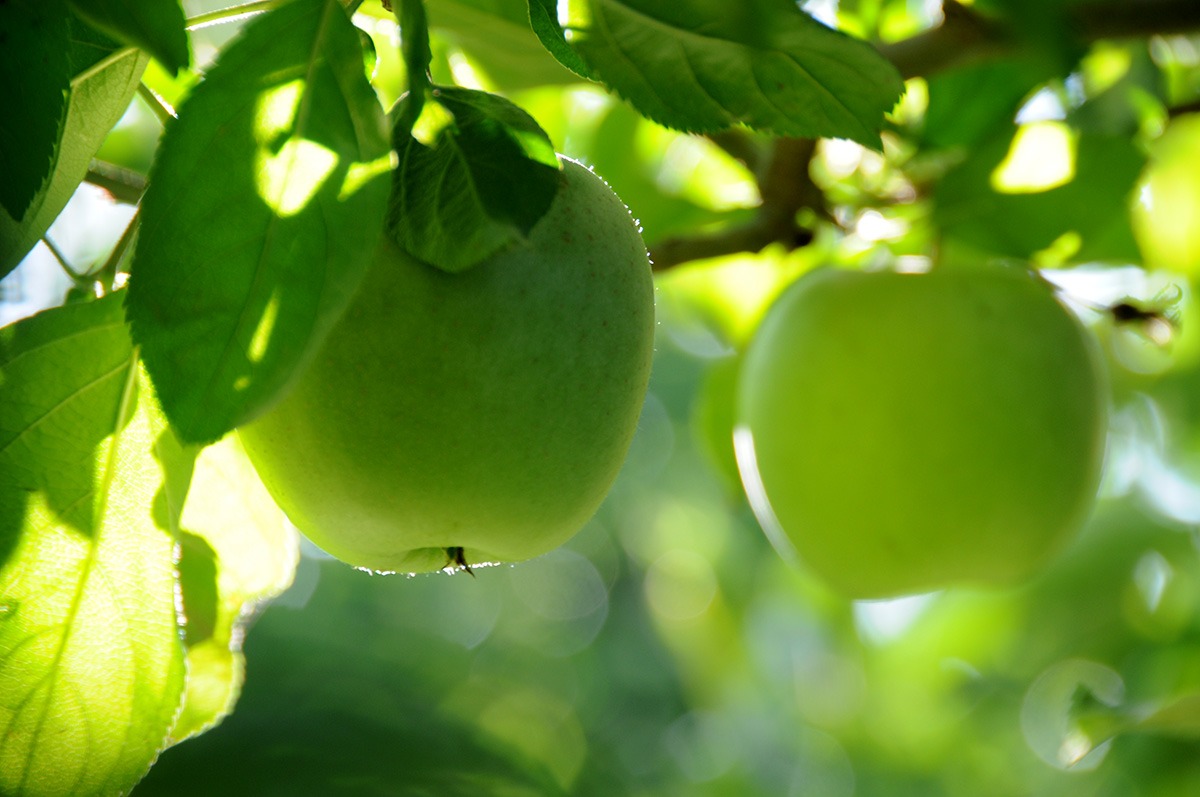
x,y
901,433
488,410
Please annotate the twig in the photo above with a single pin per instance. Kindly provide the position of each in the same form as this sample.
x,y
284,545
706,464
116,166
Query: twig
x,y
157,103
964,35
1185,108
62,259
125,185
106,275
786,188
231,14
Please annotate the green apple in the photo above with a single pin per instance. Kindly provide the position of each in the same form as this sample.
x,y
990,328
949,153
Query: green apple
x,y
473,417
906,432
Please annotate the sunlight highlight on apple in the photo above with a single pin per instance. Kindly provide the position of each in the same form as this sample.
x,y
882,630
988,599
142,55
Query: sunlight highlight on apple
x,y
756,493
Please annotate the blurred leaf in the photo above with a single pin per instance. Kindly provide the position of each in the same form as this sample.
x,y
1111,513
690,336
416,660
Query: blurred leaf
x,y
700,67
105,80
323,713
1121,109
236,280
1093,204
90,658
1050,713
543,18
156,26
482,182
615,153
237,551
34,79
970,104
1042,28
497,37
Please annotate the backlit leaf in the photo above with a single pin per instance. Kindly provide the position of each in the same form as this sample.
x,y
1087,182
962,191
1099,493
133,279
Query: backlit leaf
x,y
236,551
265,204
91,665
495,34
543,18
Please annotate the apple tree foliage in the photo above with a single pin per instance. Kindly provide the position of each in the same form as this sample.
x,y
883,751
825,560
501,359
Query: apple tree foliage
x,y
146,576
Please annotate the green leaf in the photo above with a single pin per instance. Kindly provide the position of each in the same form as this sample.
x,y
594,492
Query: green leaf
x,y
236,551
497,37
104,83
1042,29
157,26
91,665
265,203
700,66
1092,205
332,715
543,18
34,79
968,104
477,184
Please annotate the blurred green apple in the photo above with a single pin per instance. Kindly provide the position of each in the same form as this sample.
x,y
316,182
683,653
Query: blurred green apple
x,y
473,417
907,432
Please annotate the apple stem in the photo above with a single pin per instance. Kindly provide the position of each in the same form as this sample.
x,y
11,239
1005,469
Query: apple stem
x,y
457,556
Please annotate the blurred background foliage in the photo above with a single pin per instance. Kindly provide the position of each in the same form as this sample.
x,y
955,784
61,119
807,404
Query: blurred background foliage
x,y
668,650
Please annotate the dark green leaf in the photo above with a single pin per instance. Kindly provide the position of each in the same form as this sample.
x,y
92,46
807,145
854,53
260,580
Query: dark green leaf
x,y
34,78
265,203
1092,205
700,66
157,26
320,716
481,182
90,658
1042,29
105,80
543,18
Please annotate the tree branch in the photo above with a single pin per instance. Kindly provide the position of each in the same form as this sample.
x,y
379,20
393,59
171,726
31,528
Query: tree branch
x,y
965,35
786,188
740,146
125,185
